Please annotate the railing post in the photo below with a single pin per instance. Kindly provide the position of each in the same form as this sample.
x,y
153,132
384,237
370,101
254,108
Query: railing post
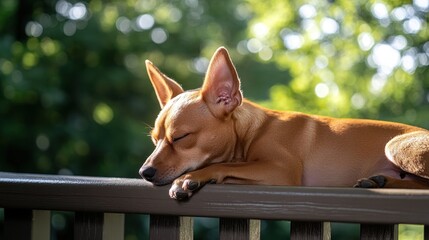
x,y
88,226
310,230
379,231
239,229
170,227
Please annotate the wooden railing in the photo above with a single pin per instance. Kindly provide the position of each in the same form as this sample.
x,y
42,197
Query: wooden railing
x,y
99,205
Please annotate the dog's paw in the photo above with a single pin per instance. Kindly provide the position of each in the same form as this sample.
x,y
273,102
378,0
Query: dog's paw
x,y
378,181
182,189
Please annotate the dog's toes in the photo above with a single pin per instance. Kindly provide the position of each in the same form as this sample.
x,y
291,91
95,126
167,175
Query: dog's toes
x,y
378,181
191,185
182,196
184,186
178,193
366,183
183,189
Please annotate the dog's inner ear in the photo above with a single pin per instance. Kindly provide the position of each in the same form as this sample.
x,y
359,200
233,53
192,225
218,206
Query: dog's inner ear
x,y
221,88
165,87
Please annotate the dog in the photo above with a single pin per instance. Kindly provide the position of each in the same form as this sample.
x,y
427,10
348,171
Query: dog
x,y
214,135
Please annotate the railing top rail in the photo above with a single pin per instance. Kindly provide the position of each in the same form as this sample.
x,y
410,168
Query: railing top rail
x,y
74,193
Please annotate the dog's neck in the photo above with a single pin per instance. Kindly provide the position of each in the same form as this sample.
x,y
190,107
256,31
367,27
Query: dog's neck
x,y
248,119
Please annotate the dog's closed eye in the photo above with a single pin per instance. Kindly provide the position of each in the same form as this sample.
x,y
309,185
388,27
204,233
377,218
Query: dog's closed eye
x,y
180,137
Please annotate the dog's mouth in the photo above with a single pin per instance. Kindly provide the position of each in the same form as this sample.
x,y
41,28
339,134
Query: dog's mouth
x,y
161,183
165,178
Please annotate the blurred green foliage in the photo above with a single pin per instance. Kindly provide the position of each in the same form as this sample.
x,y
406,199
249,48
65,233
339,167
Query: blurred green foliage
x,y
349,58
75,98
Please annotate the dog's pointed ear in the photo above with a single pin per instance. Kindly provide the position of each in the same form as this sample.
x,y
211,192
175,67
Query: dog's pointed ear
x,y
221,88
165,87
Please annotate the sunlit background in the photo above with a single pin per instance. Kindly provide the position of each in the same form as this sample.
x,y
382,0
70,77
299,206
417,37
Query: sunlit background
x,y
75,97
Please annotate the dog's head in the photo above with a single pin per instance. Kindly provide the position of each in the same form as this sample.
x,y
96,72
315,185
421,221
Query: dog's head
x,y
194,128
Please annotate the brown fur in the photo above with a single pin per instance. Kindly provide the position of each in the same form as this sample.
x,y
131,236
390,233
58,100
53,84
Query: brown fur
x,y
214,135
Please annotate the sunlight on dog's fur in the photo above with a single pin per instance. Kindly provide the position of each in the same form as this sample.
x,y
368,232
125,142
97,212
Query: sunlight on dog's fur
x,y
214,135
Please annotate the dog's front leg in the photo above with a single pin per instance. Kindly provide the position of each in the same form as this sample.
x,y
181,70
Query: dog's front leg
x,y
184,186
257,172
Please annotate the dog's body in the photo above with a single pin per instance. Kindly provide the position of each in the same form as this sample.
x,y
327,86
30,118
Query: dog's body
x,y
213,135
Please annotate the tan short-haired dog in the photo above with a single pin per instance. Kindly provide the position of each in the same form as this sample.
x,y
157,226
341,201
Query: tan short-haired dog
x,y
214,135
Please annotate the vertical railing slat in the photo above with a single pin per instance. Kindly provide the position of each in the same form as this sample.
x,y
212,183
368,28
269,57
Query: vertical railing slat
x,y
88,226
379,231
41,227
186,228
239,229
170,227
255,229
17,224
310,230
113,227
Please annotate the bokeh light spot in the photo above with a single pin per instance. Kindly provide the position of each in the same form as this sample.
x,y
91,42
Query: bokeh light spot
x,y
159,35
42,142
102,114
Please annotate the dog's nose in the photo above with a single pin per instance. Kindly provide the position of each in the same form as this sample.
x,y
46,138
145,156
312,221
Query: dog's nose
x,y
148,173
